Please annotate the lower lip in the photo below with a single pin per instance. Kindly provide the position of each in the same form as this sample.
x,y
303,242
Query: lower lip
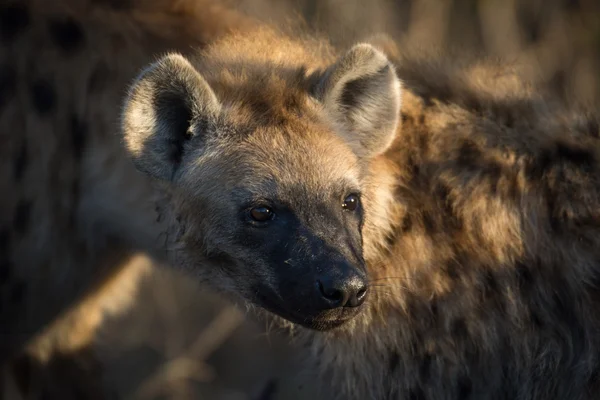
x,y
310,323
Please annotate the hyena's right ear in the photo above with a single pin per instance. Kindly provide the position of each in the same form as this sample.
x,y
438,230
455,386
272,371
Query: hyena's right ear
x,y
361,94
166,106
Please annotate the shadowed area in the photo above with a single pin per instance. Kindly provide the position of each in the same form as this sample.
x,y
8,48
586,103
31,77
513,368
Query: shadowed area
x,y
178,340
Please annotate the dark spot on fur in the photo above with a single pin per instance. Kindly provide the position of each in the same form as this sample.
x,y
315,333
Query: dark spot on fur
x,y
469,155
268,391
536,320
493,172
406,224
17,292
425,368
416,394
8,84
464,388
429,101
451,219
556,221
561,154
5,263
572,5
579,157
490,284
391,238
5,270
43,96
98,78
293,103
562,309
14,19
434,309
525,278
397,230
22,216
429,222
394,361
261,107
20,162
116,4
414,168
509,120
558,82
79,132
530,25
75,193
459,329
452,269
413,308
4,241
594,379
592,128
67,34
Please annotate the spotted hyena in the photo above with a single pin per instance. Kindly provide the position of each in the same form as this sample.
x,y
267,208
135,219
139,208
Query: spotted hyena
x,y
429,227
437,222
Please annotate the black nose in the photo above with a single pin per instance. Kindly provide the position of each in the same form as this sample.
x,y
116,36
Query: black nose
x,y
349,291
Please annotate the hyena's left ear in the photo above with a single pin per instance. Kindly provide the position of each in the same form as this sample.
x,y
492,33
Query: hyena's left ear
x,y
361,94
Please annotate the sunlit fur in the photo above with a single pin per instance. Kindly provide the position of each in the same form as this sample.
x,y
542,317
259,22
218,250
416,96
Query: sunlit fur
x,y
481,219
263,118
482,245
480,234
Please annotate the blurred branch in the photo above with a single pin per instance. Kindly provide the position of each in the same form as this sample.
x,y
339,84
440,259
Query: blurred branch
x,y
174,374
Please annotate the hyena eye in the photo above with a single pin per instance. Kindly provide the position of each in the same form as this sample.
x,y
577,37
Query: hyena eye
x,y
351,202
262,214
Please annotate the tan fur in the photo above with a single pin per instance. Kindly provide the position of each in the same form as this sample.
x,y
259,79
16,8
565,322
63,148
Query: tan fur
x,y
480,230
486,287
481,219
256,109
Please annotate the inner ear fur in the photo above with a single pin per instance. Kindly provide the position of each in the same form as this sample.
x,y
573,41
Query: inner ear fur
x,y
165,107
361,94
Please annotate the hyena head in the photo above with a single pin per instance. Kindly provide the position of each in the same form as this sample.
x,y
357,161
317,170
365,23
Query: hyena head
x,y
264,171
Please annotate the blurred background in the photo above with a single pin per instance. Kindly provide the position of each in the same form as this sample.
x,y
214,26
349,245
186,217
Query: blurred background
x,y
181,342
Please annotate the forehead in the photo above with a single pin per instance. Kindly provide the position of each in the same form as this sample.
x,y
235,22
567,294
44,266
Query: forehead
x,y
296,156
278,137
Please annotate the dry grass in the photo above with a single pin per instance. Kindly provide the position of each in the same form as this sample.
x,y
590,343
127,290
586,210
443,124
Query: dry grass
x,y
180,342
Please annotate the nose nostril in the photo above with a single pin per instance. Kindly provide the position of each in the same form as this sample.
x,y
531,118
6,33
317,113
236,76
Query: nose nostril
x,y
357,298
360,295
332,294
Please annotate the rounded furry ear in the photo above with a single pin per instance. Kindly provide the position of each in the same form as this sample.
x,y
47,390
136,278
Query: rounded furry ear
x,y
361,94
166,106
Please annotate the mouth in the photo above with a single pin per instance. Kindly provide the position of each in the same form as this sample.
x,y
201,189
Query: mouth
x,y
322,321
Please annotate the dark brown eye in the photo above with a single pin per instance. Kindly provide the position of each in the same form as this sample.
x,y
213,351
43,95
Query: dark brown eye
x,y
262,214
351,202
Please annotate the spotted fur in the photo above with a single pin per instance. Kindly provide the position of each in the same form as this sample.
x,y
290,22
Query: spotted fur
x,y
480,230
480,212
482,247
